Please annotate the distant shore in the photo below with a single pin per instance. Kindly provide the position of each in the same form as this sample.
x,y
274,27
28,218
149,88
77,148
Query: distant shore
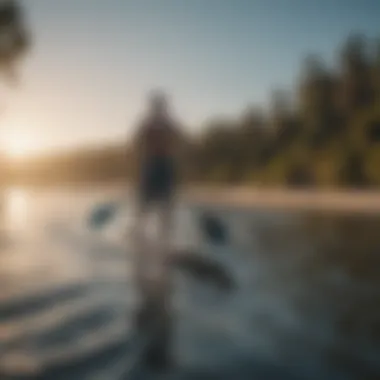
x,y
346,201
246,197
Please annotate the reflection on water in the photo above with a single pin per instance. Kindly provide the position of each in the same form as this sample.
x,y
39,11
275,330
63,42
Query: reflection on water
x,y
307,305
330,267
16,209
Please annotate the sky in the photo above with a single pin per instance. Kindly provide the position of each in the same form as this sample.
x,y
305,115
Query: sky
x,y
93,61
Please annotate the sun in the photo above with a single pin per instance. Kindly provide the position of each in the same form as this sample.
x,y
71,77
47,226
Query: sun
x,y
18,146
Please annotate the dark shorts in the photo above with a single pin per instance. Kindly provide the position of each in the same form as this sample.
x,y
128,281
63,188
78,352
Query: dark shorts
x,y
157,183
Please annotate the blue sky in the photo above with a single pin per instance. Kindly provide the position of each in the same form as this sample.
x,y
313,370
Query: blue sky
x,y
94,60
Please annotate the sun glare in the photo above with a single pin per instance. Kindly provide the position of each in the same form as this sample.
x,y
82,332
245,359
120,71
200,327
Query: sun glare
x,y
18,146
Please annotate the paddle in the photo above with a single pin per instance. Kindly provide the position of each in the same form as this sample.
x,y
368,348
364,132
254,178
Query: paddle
x,y
211,226
213,229
102,214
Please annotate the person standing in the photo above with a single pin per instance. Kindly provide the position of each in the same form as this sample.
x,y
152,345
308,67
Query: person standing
x,y
156,149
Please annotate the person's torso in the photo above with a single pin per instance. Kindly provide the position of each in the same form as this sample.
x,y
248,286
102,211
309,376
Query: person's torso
x,y
158,138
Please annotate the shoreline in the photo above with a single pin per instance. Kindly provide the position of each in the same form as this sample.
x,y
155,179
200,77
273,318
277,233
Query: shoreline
x,y
247,197
349,201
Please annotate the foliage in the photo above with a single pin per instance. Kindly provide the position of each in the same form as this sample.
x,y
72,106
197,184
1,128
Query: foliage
x,y
14,38
329,137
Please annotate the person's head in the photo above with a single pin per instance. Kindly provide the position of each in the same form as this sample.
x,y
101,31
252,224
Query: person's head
x,y
158,102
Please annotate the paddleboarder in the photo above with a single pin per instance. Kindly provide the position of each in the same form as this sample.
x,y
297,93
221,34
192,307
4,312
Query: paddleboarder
x,y
156,145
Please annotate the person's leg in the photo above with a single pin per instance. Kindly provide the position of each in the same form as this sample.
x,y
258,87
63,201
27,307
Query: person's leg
x,y
145,253
165,201
165,213
160,355
141,247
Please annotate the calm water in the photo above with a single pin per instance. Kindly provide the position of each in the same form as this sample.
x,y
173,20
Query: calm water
x,y
307,304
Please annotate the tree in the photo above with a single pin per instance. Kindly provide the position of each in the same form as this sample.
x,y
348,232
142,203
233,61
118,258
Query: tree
x,y
284,122
353,174
252,137
317,104
357,89
376,71
14,42
14,38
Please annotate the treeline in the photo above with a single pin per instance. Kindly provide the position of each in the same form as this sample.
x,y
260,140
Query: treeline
x,y
326,133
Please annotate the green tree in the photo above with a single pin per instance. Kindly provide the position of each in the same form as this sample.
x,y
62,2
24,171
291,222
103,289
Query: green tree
x,y
357,89
284,122
14,41
14,38
252,138
317,104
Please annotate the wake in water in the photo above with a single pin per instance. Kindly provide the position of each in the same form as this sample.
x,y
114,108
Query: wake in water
x,y
64,326
67,303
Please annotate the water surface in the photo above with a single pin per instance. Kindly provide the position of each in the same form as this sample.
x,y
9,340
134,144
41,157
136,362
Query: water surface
x,y
307,304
